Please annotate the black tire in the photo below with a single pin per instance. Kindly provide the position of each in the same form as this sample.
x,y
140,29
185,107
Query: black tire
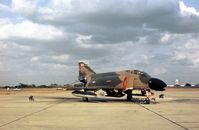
x,y
85,99
129,97
147,101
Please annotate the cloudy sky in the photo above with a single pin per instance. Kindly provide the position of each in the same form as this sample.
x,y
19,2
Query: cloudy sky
x,y
41,41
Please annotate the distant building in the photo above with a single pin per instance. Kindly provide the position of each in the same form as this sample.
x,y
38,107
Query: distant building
x,y
177,83
187,85
197,85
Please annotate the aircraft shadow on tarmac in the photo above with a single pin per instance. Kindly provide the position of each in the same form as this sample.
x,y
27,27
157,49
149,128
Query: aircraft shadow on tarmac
x,y
71,99
110,100
91,100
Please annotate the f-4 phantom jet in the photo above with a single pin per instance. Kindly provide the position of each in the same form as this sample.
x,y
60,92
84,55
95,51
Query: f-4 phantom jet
x,y
115,84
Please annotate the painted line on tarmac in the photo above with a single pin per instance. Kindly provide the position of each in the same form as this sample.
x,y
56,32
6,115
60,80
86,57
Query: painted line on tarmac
x,y
163,117
32,113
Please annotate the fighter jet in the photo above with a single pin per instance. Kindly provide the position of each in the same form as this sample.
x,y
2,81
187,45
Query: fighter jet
x,y
115,84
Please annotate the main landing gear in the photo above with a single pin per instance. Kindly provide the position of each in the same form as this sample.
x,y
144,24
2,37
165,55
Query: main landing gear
x,y
138,98
129,97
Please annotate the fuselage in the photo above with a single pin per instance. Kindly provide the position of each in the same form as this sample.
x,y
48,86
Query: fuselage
x,y
128,79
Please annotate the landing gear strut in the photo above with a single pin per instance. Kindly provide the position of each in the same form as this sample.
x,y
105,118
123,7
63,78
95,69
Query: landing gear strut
x,y
85,99
129,95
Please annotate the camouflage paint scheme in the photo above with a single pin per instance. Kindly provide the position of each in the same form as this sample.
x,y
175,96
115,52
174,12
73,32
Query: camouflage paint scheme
x,y
118,83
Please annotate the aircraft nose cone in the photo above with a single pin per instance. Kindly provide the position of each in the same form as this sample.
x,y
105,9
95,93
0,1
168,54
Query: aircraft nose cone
x,y
157,84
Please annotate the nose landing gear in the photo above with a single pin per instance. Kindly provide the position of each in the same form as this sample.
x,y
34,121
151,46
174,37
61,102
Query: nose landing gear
x,y
84,99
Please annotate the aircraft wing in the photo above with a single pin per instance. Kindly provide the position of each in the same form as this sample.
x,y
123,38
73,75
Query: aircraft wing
x,y
90,87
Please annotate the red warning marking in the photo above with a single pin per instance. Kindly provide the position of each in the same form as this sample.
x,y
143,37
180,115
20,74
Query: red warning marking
x,y
125,83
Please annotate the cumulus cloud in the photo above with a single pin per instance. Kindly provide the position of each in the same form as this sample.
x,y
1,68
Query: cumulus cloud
x,y
188,51
26,7
42,41
61,58
185,10
28,29
165,38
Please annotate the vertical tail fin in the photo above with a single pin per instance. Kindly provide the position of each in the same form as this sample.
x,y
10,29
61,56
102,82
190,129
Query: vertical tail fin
x,y
84,71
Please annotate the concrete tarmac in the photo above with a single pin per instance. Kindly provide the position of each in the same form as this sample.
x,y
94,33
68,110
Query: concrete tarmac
x,y
58,109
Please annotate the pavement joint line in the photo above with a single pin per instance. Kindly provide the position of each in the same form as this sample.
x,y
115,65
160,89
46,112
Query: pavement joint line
x,y
32,113
193,127
187,122
164,117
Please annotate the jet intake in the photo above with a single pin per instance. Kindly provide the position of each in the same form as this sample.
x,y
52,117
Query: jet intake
x,y
157,84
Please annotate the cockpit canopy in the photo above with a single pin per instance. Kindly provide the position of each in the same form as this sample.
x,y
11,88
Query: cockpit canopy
x,y
142,73
144,77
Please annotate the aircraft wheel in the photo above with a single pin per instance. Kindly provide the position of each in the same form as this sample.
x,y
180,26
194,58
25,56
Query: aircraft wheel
x,y
85,99
147,101
129,97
